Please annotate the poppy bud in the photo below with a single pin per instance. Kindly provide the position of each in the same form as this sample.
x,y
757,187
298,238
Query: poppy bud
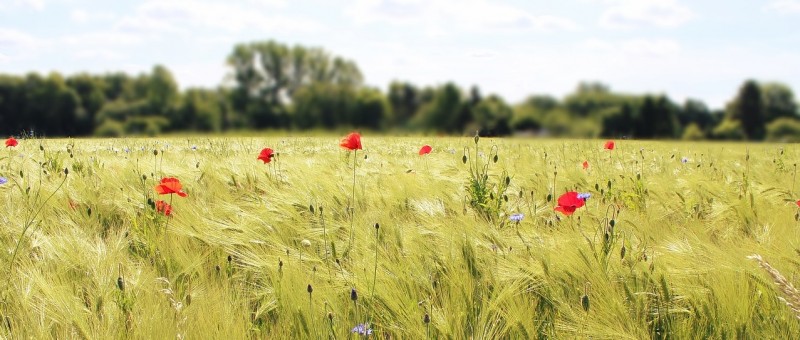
x,y
155,152
188,299
217,268
20,174
612,223
353,294
41,147
495,158
609,184
464,159
309,289
365,156
622,252
549,197
330,316
585,302
476,137
280,264
638,176
320,210
230,258
144,177
377,226
426,319
89,211
121,284
311,208
508,181
197,166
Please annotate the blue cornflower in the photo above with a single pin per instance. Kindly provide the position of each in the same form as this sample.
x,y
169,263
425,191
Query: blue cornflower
x,y
684,160
3,180
584,196
516,217
194,147
362,329
127,149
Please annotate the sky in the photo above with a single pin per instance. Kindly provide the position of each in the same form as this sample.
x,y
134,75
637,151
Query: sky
x,y
698,49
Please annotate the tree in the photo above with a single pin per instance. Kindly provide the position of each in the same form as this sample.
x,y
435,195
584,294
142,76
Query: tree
x,y
404,99
90,90
371,109
492,116
162,91
268,74
446,111
748,109
778,101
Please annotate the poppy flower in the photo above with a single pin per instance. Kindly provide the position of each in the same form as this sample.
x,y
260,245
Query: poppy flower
x,y
11,142
164,207
351,141
609,145
426,149
585,165
170,185
266,155
798,201
569,202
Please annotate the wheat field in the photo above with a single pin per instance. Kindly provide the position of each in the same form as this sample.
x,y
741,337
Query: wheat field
x,y
292,249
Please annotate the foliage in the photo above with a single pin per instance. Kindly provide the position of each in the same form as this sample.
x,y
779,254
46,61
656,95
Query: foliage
x,y
784,129
273,85
486,193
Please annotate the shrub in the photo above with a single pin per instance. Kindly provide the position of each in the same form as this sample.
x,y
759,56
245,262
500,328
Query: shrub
x,y
784,129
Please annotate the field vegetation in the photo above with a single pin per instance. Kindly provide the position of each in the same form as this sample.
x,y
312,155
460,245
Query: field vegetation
x,y
325,242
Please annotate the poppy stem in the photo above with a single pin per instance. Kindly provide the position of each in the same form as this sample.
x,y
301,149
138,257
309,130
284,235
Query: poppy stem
x,y
353,200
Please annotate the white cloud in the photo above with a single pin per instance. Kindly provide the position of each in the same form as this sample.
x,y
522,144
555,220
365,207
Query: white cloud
x,y
439,16
171,16
784,6
79,15
82,16
15,44
97,54
638,13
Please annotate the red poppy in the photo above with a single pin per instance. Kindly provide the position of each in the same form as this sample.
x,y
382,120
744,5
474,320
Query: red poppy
x,y
585,165
170,185
266,155
163,207
568,202
798,203
609,145
11,142
351,141
426,149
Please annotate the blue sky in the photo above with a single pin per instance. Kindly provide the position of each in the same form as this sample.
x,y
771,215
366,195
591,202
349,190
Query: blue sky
x,y
697,49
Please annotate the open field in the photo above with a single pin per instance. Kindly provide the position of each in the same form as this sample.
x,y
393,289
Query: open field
x,y
660,250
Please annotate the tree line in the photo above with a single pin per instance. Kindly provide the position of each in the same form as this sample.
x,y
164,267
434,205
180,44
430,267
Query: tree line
x,y
277,86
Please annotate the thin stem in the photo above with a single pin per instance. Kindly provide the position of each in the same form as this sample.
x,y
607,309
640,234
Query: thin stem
x,y
353,200
374,273
29,223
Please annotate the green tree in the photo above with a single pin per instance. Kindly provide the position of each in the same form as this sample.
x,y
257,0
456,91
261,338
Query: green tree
x,y
268,74
446,111
405,100
162,91
90,90
748,108
778,100
492,116
372,109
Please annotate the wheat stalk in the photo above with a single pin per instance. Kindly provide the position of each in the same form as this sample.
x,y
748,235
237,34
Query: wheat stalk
x,y
791,296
